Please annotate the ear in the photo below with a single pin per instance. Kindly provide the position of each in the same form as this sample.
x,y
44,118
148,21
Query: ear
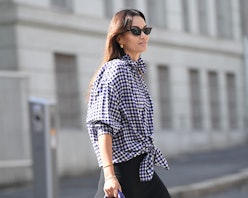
x,y
120,40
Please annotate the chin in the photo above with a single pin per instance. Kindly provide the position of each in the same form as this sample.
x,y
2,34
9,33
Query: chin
x,y
143,50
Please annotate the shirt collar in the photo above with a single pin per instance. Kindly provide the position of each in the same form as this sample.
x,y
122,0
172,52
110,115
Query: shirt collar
x,y
139,64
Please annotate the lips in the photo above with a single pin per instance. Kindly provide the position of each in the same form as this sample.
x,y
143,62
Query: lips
x,y
143,43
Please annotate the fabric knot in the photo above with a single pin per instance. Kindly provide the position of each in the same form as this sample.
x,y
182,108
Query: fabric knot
x,y
153,157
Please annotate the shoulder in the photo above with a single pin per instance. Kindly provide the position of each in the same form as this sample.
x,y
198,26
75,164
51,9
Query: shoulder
x,y
115,70
115,66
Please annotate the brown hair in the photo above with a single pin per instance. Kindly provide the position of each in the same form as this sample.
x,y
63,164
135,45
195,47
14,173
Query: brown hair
x,y
119,24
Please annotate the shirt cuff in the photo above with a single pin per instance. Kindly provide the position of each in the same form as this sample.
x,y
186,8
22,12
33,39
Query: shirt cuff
x,y
102,128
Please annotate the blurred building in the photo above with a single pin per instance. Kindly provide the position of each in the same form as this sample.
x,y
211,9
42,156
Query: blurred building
x,y
50,49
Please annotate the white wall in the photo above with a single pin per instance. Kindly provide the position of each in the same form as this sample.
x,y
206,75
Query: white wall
x,y
15,147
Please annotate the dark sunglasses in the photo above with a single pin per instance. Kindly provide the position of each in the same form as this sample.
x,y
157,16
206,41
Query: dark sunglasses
x,y
137,31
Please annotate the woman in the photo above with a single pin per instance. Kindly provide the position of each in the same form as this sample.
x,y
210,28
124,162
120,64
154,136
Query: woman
x,y
120,114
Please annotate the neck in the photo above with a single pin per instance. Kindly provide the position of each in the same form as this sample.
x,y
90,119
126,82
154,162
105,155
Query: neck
x,y
134,57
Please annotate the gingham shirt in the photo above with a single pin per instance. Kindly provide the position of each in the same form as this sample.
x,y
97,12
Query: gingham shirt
x,y
121,106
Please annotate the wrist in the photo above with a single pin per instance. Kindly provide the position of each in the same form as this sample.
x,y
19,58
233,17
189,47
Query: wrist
x,y
108,170
110,177
108,173
106,166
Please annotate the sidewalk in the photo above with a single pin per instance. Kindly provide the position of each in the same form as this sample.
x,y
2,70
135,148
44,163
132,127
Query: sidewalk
x,y
194,175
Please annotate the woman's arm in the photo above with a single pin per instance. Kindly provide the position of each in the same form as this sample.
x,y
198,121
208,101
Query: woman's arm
x,y
105,147
111,185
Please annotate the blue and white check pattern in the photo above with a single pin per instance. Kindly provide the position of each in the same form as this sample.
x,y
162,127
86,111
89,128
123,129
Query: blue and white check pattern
x,y
121,106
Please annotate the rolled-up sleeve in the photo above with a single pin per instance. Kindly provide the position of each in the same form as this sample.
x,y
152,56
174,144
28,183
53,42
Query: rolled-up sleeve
x,y
104,109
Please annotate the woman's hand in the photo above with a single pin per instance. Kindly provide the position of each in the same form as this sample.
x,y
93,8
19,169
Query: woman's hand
x,y
111,187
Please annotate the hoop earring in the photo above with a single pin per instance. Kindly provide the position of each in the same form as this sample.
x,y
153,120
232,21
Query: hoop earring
x,y
121,46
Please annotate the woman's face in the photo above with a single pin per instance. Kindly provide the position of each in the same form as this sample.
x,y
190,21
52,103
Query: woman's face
x,y
133,45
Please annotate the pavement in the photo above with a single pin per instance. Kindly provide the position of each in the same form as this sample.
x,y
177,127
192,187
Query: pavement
x,y
213,174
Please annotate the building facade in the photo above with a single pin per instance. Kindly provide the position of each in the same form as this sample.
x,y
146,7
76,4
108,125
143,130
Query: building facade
x,y
195,72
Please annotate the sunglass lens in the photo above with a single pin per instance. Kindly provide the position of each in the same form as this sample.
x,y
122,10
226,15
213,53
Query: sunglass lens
x,y
136,31
147,30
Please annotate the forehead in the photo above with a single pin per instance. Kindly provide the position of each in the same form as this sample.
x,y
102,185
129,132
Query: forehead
x,y
138,21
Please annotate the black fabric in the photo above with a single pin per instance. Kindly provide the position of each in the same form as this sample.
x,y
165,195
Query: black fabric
x,y
128,176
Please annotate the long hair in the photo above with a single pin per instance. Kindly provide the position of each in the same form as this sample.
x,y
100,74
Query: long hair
x,y
120,23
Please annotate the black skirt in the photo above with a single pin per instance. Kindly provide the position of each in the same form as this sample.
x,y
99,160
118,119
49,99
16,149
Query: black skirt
x,y
128,176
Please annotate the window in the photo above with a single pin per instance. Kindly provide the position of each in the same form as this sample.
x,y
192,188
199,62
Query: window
x,y
231,101
68,95
244,16
185,14
108,8
224,18
157,12
196,104
165,97
214,100
62,4
203,17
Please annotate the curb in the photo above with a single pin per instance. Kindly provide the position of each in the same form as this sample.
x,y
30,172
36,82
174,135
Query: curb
x,y
210,186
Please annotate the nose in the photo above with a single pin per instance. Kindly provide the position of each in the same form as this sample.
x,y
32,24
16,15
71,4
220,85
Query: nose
x,y
142,35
